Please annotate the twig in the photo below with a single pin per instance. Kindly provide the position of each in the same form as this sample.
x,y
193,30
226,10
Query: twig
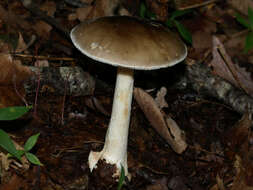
x,y
41,57
200,78
36,96
196,5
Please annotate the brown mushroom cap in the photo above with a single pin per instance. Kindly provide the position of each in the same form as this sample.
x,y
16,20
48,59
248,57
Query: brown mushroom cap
x,y
128,42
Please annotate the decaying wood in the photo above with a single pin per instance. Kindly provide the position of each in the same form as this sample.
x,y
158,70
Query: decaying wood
x,y
202,80
61,80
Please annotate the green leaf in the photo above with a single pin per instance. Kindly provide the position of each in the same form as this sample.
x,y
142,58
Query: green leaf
x,y
121,178
33,159
11,113
250,14
31,142
183,32
169,23
20,153
242,20
248,42
143,10
7,144
179,13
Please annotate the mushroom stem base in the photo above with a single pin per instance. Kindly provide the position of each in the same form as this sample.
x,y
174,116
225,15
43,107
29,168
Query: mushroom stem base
x,y
115,147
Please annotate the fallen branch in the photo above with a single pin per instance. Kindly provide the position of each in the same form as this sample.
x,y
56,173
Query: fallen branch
x,y
200,78
61,80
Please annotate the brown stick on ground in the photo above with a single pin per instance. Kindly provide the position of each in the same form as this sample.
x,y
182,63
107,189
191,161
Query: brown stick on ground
x,y
202,80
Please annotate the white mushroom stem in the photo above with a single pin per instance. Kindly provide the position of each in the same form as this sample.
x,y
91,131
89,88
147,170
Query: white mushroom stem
x,y
115,147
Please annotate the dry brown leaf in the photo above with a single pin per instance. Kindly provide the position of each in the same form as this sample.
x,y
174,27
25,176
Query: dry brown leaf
x,y
220,182
168,128
241,178
160,98
201,30
242,5
82,13
21,44
12,75
12,19
225,68
103,8
12,71
239,140
42,29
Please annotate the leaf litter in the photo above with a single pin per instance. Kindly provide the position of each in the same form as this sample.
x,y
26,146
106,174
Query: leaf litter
x,y
174,120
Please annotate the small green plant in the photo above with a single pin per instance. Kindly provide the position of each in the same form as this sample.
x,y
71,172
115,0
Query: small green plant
x,y
145,13
12,113
121,178
6,143
171,22
247,23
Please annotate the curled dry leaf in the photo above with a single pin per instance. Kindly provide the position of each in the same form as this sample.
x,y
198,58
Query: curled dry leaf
x,y
160,98
225,68
167,128
242,5
21,44
12,71
95,104
12,76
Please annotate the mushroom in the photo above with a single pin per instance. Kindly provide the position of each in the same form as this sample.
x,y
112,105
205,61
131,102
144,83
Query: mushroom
x,y
128,43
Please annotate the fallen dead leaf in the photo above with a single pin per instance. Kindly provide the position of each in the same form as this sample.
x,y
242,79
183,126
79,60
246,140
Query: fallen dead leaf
x,y
242,5
225,68
13,74
220,182
12,19
21,44
239,140
103,8
160,98
42,29
165,126
83,12
12,71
